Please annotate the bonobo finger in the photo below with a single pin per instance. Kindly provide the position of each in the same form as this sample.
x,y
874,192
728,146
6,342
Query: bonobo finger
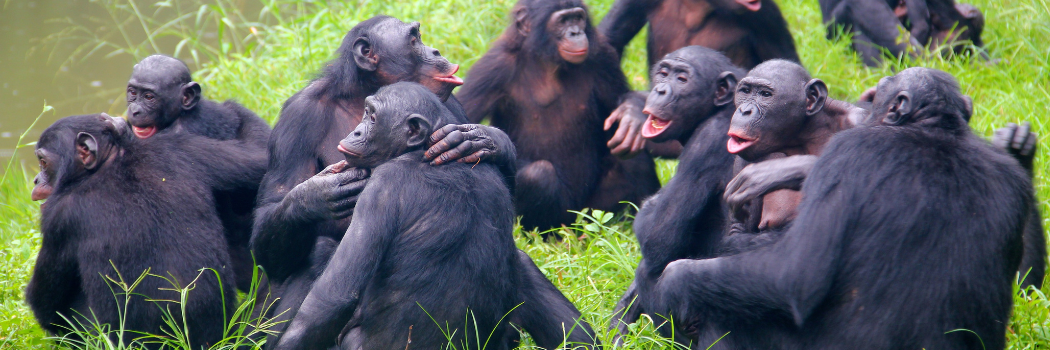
x,y
1029,145
1021,136
617,140
476,156
465,148
613,118
343,214
1004,136
442,133
453,139
352,175
344,204
335,168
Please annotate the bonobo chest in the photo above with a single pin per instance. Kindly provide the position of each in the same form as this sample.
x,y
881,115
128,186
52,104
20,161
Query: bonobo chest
x,y
679,23
344,118
559,103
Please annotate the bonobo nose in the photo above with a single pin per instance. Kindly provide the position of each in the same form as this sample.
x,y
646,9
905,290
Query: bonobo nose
x,y
357,134
435,52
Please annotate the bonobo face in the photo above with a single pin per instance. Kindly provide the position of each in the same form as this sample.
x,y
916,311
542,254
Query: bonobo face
x,y
395,50
568,27
385,132
159,91
773,104
73,147
968,29
688,85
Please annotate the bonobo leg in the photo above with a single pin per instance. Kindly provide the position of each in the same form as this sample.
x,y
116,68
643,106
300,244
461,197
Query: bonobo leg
x,y
541,197
627,311
1033,261
630,180
547,315
295,289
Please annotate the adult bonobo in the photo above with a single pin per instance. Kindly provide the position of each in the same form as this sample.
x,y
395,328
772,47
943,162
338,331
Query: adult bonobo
x,y
162,97
300,207
900,192
414,280
691,101
781,110
91,167
550,81
876,24
747,31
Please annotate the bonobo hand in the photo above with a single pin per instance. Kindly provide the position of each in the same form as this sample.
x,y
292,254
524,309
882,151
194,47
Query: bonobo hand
x,y
468,143
1019,141
763,177
628,140
331,194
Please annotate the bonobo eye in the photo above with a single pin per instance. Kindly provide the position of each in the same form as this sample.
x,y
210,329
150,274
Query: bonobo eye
x,y
745,90
765,93
662,73
43,163
682,79
148,96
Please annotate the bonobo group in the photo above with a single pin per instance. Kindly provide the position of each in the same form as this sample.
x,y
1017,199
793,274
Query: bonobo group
x,y
379,214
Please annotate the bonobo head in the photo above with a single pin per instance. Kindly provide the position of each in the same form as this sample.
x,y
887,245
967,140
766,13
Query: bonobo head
x,y
773,104
921,96
559,31
965,25
159,92
384,50
689,85
398,119
74,147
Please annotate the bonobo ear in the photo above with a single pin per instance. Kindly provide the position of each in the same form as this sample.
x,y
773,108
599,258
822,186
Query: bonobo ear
x,y
900,108
521,20
364,54
418,130
969,107
191,94
726,85
816,95
87,150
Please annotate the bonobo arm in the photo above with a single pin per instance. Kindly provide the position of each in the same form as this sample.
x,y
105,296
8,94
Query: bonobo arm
x,y
253,129
547,315
624,20
764,177
1020,142
473,143
484,89
288,217
224,164
55,279
789,277
337,293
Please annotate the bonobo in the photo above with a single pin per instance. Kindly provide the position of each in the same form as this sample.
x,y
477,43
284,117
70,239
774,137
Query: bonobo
x,y
900,192
91,167
781,110
162,97
876,24
297,202
550,81
691,101
747,31
429,258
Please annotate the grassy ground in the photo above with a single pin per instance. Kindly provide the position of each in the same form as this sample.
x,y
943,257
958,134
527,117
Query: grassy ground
x,y
263,57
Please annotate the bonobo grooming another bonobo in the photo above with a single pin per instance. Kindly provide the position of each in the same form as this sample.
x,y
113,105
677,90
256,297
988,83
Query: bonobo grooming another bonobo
x,y
162,97
414,270
906,189
91,167
691,101
549,82
876,24
301,214
747,31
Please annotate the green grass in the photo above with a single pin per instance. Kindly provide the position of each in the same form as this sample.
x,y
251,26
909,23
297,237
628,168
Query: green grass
x,y
290,41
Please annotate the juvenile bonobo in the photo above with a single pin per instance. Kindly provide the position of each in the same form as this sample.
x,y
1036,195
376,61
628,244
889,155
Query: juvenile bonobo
x,y
92,167
298,202
781,110
549,82
747,31
901,193
691,101
430,251
162,97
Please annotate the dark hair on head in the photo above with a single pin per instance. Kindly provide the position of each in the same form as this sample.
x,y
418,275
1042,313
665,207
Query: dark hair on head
x,y
413,98
538,41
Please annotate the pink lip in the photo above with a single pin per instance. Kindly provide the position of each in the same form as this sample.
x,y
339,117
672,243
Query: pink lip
x,y
654,126
347,152
451,78
752,5
144,132
738,143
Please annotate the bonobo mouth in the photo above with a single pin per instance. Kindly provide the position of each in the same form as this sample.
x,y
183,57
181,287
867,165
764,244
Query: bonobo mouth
x,y
144,132
738,142
347,152
41,192
574,56
451,78
751,5
654,126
